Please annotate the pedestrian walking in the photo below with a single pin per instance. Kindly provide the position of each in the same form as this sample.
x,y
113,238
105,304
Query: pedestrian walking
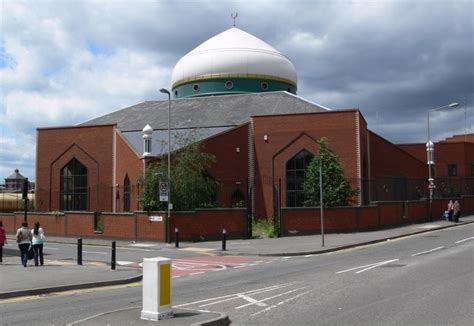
x,y
3,240
23,238
38,238
450,210
456,211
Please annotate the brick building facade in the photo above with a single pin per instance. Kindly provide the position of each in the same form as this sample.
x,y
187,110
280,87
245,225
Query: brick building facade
x,y
241,101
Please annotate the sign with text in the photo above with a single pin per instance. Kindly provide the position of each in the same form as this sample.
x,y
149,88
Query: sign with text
x,y
155,218
163,191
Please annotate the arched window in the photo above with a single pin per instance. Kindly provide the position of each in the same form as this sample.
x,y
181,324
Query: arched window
x,y
237,198
126,194
295,173
74,186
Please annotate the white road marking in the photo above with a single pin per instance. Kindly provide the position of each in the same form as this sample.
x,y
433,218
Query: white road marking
x,y
238,295
95,252
463,240
252,300
272,297
240,266
280,303
367,267
232,296
196,273
427,251
50,248
377,265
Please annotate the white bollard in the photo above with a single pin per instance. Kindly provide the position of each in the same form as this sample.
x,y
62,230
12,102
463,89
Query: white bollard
x,y
156,289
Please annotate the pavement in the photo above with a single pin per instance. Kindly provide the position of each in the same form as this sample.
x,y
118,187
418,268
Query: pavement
x,y
57,276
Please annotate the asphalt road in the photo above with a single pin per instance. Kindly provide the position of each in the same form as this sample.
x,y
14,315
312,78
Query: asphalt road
x,y
419,280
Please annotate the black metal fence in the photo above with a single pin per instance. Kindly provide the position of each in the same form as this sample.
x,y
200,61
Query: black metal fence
x,y
236,193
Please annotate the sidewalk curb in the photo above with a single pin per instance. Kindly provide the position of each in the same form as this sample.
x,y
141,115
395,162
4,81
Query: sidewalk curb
x,y
62,288
222,320
355,245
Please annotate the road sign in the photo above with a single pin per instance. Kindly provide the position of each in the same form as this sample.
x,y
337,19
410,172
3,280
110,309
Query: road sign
x,y
163,191
431,185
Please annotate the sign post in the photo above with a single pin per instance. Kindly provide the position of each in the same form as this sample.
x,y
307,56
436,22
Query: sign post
x,y
163,191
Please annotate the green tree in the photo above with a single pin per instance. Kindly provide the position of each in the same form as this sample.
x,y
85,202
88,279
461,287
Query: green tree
x,y
337,190
191,185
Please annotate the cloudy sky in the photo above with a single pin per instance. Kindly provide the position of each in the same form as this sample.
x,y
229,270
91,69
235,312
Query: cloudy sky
x,y
66,61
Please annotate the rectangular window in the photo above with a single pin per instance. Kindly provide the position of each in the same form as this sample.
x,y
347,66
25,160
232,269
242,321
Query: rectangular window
x,y
452,170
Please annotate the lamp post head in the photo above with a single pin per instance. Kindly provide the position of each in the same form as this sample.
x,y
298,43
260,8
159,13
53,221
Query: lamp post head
x,y
453,105
165,91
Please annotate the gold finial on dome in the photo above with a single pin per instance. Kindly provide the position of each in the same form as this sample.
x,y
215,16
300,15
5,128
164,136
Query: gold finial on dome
x,y
234,16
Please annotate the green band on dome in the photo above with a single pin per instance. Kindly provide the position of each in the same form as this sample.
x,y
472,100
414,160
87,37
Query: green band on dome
x,y
230,85
232,76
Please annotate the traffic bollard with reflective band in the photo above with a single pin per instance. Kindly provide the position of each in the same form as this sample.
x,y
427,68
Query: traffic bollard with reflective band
x,y
156,291
176,237
113,260
79,251
224,238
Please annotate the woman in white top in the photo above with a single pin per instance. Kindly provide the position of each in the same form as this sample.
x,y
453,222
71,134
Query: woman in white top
x,y
37,242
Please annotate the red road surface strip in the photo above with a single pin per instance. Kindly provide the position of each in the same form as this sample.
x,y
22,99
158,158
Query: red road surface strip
x,y
204,264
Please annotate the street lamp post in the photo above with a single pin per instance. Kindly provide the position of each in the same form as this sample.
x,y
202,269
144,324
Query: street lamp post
x,y
430,151
165,91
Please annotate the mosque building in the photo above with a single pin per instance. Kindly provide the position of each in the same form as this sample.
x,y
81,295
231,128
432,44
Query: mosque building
x,y
238,95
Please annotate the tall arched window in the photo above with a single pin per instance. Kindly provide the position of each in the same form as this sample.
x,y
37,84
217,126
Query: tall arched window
x,y
126,194
295,173
74,185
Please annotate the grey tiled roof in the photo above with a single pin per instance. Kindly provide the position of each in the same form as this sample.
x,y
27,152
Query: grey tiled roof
x,y
15,176
204,112
160,138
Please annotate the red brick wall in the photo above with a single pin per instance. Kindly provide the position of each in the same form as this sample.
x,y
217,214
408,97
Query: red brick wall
x,y
391,213
459,153
80,224
341,219
128,163
417,211
207,224
290,133
151,230
92,146
467,204
118,225
51,224
231,167
389,160
368,218
8,221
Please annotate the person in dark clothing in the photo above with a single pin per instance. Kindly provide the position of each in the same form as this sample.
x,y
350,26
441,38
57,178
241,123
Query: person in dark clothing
x,y
23,238
3,240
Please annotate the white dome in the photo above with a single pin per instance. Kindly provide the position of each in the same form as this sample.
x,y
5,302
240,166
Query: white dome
x,y
234,53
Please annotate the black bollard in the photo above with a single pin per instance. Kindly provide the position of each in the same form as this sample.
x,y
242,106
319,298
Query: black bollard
x,y
224,236
176,237
112,264
79,251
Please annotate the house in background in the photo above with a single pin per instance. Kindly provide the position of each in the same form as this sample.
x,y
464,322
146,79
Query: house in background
x,y
14,182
